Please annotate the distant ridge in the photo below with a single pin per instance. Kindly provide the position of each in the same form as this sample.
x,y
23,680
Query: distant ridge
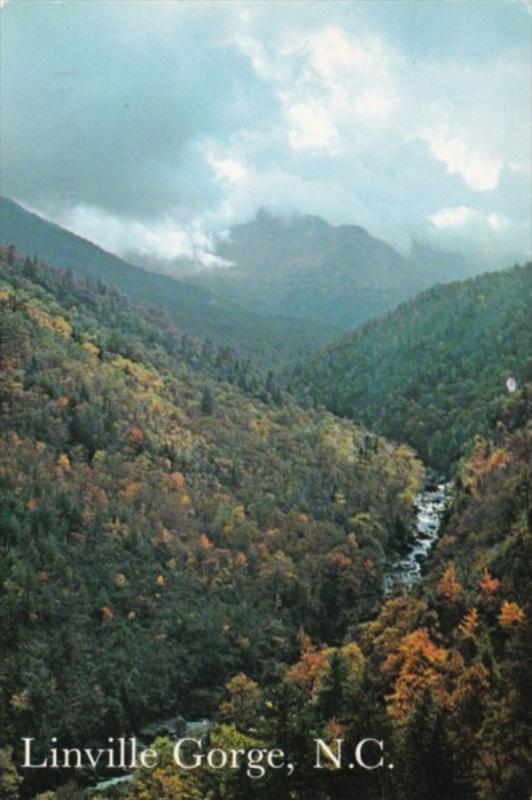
x,y
196,310
304,267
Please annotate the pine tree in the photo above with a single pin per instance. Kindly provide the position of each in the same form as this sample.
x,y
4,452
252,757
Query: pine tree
x,y
207,401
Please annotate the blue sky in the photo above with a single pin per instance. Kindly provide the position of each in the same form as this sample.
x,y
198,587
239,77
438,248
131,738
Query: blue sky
x,y
153,125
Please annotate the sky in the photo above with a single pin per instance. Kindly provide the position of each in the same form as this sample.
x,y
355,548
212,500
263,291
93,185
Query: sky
x,y
153,126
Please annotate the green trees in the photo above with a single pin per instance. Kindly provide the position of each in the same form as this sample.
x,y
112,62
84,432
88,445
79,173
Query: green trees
x,y
207,401
155,545
433,372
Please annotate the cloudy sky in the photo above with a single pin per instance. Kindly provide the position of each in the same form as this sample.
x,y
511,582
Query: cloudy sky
x,y
154,125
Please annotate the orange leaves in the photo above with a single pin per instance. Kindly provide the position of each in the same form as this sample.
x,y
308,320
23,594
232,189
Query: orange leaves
x,y
339,559
449,587
63,462
136,435
106,615
205,543
469,625
178,480
511,615
131,490
310,668
489,585
421,666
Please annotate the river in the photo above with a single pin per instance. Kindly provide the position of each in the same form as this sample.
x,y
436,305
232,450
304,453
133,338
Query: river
x,y
430,505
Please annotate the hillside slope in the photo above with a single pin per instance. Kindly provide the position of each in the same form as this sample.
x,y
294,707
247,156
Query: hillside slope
x,y
307,268
161,529
194,309
432,372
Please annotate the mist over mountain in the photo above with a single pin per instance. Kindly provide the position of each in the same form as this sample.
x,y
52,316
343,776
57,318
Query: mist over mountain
x,y
302,266
196,310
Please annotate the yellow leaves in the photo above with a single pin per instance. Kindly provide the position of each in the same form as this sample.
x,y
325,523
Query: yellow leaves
x,y
339,441
511,615
106,615
163,537
57,324
31,505
91,349
244,699
339,498
261,427
120,580
131,616
147,378
449,587
21,701
352,653
185,500
160,581
469,625
131,490
63,462
481,463
61,327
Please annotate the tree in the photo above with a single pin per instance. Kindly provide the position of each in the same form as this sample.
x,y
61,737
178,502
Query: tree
x,y
243,703
207,401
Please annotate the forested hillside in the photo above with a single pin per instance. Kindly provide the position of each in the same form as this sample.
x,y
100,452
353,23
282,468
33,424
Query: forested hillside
x,y
269,341
433,372
442,675
162,528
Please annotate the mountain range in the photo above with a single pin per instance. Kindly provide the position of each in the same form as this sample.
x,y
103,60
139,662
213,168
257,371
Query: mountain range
x,y
196,310
304,267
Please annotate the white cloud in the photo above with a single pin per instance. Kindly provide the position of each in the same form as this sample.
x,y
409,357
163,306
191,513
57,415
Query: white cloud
x,y
452,217
228,169
333,55
462,216
165,240
311,128
479,169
